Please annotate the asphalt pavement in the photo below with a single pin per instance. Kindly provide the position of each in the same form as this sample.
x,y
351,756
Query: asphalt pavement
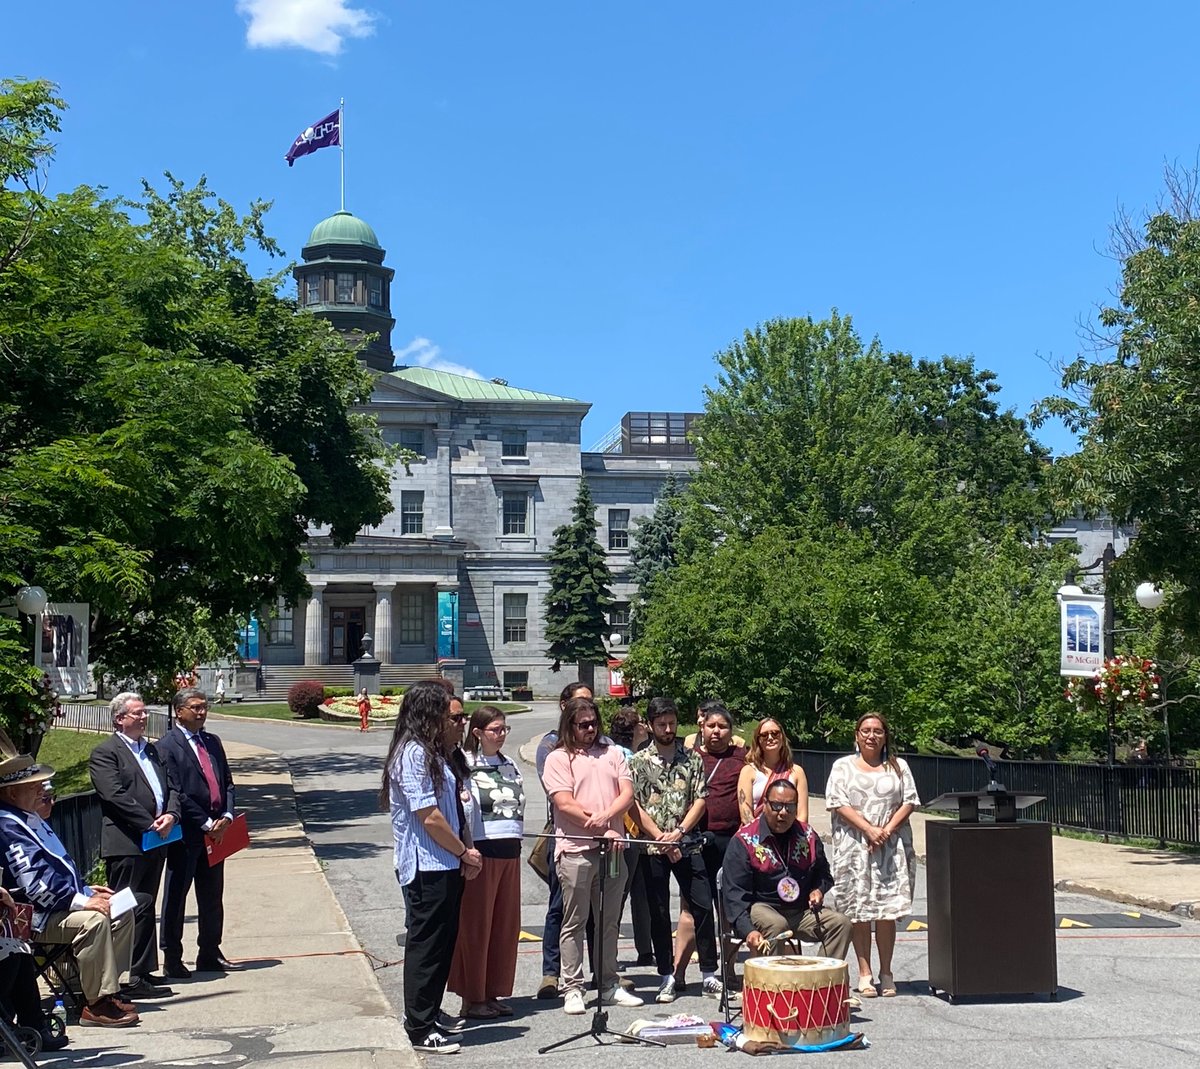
x,y
314,910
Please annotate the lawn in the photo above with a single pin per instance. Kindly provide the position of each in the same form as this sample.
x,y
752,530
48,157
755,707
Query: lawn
x,y
67,751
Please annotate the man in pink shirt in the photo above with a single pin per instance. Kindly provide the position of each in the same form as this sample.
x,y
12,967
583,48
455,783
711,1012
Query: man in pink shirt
x,y
590,786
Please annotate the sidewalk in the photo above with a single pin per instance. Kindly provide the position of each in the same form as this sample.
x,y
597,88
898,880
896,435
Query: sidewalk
x,y
1148,879
307,998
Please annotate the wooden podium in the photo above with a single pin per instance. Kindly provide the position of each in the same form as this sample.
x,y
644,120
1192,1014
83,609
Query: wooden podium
x,y
991,899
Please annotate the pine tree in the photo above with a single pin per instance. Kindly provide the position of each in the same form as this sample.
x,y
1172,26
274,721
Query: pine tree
x,y
655,538
579,590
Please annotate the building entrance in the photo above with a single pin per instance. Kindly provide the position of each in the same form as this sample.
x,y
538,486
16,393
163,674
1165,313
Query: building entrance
x,y
346,629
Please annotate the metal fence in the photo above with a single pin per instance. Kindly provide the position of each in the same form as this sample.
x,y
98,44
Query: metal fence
x,y
76,821
1148,801
97,718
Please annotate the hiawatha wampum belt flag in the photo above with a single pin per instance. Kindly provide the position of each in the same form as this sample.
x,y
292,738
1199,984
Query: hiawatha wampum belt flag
x,y
323,134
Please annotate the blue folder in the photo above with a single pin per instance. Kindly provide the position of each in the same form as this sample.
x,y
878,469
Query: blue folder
x,y
151,840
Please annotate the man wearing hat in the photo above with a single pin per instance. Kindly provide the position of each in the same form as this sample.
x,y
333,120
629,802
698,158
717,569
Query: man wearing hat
x,y
39,870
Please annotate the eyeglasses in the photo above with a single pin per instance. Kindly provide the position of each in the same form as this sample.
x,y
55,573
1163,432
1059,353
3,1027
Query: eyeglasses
x,y
458,718
142,714
504,729
197,708
770,736
879,732
586,725
782,807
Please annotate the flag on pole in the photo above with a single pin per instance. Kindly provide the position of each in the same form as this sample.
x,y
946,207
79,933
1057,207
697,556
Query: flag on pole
x,y
323,134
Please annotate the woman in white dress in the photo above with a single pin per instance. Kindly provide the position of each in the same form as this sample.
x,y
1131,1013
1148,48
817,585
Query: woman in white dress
x,y
871,795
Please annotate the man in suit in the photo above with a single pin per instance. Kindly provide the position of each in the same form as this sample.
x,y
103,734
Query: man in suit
x,y
197,768
135,798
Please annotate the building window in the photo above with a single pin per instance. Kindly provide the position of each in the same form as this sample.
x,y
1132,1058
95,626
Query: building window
x,y
413,439
312,289
282,622
375,298
412,511
516,680
618,621
516,513
618,528
516,608
345,287
513,443
412,619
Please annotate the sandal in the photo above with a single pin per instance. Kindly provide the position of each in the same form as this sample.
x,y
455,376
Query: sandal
x,y
887,985
479,1011
866,988
502,1009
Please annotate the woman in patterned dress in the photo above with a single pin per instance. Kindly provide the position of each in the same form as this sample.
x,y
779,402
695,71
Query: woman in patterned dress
x,y
871,795
485,956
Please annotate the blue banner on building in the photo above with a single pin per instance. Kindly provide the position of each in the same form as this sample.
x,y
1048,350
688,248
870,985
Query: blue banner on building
x,y
447,632
248,641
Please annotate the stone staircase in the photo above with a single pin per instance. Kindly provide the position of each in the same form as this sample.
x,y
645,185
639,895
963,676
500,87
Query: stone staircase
x,y
280,677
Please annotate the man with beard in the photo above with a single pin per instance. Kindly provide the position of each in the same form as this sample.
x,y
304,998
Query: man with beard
x,y
669,788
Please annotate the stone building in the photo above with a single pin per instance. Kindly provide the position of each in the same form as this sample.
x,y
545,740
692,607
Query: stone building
x,y
455,576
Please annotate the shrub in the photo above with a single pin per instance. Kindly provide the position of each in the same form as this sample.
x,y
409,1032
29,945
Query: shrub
x,y
339,692
304,697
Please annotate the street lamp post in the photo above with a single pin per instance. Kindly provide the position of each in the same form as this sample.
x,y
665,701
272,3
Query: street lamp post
x,y
453,623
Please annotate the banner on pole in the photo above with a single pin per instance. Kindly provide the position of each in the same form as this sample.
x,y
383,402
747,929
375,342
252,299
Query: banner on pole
x,y
324,133
1081,643
61,647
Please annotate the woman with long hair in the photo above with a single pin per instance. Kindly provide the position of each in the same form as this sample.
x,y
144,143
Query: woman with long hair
x,y
768,759
485,956
433,856
871,794
551,929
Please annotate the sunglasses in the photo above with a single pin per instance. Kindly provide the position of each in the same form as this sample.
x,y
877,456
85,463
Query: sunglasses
x,y
586,725
782,807
770,736
458,718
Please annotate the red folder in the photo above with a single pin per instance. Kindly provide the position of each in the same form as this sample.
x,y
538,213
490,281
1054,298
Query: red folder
x,y
236,837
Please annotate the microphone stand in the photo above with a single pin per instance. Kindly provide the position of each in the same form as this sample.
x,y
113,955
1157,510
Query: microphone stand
x,y
599,1027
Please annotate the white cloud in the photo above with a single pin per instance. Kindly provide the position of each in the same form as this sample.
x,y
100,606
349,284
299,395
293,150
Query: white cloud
x,y
316,25
421,352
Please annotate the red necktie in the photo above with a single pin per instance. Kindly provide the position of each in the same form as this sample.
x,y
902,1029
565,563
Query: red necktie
x,y
210,777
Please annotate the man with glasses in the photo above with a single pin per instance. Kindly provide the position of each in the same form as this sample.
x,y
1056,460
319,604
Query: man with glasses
x,y
196,766
135,798
776,877
591,789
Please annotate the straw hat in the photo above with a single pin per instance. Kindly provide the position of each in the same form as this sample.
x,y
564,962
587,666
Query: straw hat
x,y
16,768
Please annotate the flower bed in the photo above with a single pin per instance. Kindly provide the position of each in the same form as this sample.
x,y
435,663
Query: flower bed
x,y
384,709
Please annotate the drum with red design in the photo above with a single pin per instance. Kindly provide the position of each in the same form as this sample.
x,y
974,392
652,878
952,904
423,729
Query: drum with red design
x,y
796,1001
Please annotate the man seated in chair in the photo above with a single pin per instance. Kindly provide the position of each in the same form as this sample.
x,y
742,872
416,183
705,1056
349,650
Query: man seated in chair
x,y
775,877
38,869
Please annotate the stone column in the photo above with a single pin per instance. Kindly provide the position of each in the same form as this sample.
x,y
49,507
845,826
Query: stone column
x,y
383,621
314,626
443,503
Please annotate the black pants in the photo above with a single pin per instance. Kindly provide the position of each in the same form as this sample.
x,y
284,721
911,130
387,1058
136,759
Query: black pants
x,y
141,873
187,864
433,903
19,994
692,879
639,900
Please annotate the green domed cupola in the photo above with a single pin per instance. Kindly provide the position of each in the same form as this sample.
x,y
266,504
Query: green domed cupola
x,y
343,279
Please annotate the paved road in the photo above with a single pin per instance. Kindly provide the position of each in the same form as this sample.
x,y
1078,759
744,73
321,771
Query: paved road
x,y
1127,997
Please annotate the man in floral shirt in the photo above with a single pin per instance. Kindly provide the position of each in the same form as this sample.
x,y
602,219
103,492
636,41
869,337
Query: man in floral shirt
x,y
669,789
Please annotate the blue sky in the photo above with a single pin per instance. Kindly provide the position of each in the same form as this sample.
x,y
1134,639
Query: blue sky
x,y
593,199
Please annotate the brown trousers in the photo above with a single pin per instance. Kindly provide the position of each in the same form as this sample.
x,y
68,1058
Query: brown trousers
x,y
485,956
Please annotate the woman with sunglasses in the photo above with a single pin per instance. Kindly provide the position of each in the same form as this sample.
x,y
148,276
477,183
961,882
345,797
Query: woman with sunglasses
x,y
434,855
871,794
485,956
769,759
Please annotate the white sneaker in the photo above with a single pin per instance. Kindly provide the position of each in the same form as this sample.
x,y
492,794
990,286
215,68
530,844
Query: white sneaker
x,y
711,988
618,996
666,990
574,1004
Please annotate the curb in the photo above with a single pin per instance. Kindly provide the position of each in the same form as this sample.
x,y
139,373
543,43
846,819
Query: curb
x,y
1159,905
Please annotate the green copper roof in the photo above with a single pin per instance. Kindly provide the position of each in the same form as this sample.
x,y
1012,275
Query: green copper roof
x,y
342,228
465,388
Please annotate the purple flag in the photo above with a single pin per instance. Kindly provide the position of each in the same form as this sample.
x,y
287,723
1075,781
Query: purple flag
x,y
321,134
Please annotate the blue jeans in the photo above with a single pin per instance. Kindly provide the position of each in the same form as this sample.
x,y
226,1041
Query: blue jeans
x,y
551,955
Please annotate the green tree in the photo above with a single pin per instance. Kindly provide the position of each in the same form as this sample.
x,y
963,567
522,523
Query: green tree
x,y
579,597
835,552
654,548
1135,404
169,426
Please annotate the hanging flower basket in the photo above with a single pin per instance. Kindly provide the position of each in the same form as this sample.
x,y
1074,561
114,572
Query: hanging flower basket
x,y
1123,682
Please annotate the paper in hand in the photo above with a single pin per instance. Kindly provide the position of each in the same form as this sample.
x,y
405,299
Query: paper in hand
x,y
121,903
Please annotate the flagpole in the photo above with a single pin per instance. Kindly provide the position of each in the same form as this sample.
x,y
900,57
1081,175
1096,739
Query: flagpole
x,y
342,144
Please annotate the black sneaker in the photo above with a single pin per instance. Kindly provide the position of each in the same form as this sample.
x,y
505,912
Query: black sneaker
x,y
436,1043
